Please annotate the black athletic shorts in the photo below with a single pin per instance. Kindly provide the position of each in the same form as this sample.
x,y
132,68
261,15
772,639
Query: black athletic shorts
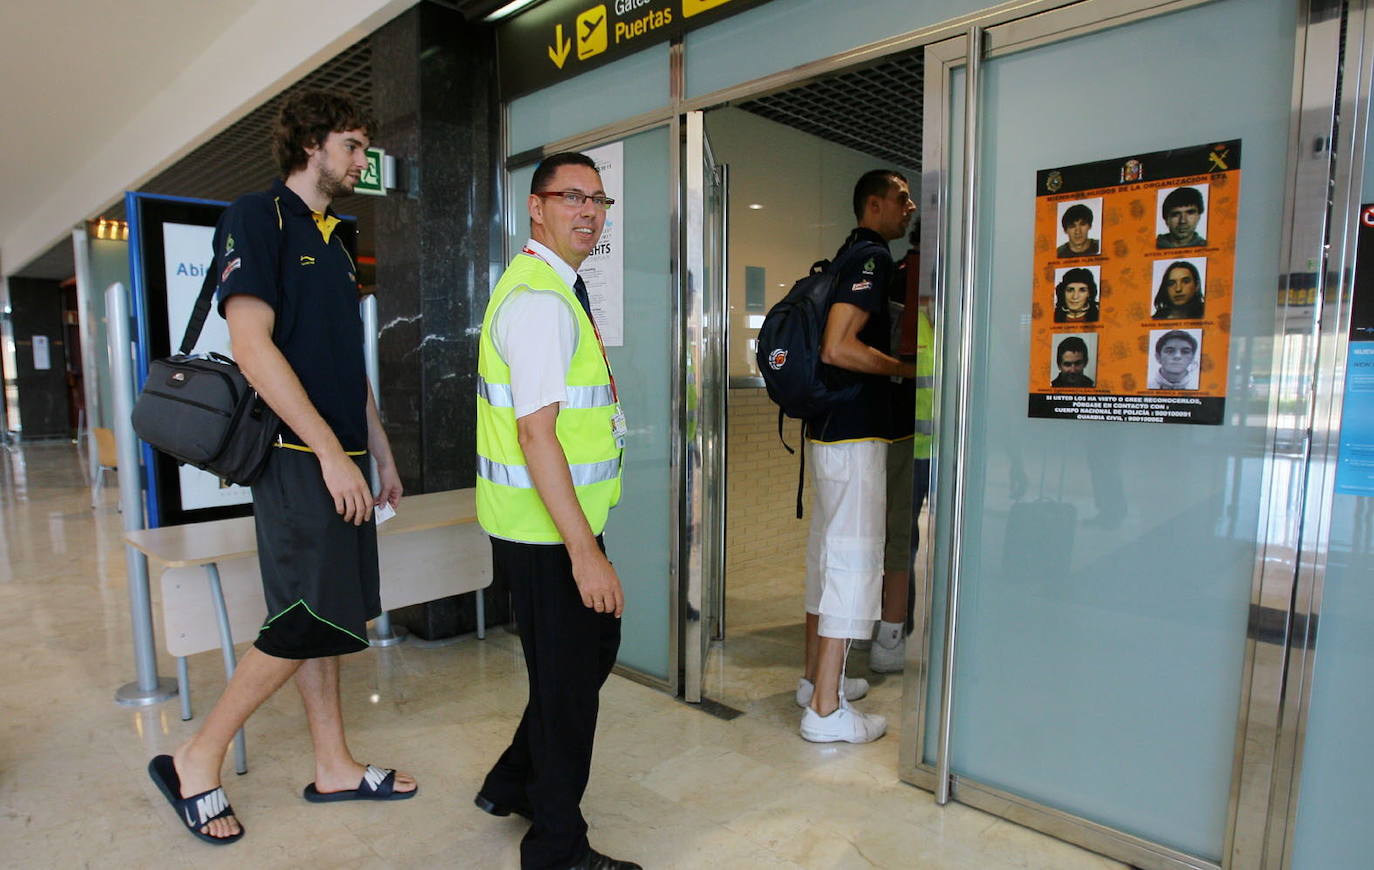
x,y
319,573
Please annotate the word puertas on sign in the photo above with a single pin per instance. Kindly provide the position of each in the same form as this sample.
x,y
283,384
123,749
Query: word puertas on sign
x,y
559,39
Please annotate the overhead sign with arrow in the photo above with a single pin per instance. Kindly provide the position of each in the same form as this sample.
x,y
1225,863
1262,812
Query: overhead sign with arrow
x,y
558,52
558,39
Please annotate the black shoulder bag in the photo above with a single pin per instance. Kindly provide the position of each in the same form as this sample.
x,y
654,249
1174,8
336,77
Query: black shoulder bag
x,y
202,411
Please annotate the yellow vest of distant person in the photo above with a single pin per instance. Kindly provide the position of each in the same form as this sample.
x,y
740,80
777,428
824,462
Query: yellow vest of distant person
x,y
925,385
508,506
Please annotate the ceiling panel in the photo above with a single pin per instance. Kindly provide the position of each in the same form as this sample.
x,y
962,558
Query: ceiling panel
x,y
239,159
875,109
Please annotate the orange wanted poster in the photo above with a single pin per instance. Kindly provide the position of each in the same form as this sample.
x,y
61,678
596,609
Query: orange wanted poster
x,y
1132,287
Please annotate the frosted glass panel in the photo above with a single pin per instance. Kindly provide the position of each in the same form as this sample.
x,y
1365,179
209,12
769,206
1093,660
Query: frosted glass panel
x,y
782,34
1337,785
1107,571
638,533
628,87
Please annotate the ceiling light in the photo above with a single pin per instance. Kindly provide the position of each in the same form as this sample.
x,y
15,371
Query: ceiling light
x,y
508,10
756,205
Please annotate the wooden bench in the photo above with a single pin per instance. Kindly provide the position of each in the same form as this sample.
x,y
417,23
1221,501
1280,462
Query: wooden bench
x,y
212,590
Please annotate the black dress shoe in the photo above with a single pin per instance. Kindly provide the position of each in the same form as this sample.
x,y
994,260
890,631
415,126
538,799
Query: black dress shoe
x,y
594,860
487,805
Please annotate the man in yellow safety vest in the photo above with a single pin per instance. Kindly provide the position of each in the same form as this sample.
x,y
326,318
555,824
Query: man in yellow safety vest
x,y
550,434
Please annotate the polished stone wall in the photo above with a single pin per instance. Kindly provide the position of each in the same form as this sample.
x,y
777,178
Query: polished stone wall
x,y
434,94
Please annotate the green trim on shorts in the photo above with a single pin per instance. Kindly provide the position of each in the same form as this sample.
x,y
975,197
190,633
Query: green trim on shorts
x,y
301,601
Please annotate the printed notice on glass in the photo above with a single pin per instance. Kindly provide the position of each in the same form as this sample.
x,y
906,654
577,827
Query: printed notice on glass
x,y
1355,462
1134,268
604,270
42,357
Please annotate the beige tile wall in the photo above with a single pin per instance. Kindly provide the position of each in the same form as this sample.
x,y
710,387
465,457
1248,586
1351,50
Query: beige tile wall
x,y
762,531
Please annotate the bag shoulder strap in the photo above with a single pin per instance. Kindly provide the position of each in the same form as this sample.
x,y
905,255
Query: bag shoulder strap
x,y
200,311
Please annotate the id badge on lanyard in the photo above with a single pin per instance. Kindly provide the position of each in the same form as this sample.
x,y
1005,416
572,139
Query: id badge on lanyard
x,y
619,428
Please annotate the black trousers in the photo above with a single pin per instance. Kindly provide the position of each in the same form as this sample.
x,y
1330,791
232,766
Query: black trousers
x,y
569,652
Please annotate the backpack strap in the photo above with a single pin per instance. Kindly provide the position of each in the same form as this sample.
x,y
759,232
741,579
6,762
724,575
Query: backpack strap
x,y
781,437
801,470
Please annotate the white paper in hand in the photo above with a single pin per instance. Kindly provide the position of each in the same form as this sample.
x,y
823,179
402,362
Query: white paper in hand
x,y
384,512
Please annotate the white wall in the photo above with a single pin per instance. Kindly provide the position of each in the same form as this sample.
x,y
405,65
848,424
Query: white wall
x,y
235,68
805,185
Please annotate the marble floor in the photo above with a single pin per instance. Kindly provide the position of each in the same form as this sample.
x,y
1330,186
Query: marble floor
x,y
672,786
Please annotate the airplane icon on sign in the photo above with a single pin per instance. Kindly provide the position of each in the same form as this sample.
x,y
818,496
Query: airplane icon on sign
x,y
591,32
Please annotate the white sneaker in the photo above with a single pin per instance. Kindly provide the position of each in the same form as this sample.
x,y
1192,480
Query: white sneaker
x,y
885,659
845,724
853,688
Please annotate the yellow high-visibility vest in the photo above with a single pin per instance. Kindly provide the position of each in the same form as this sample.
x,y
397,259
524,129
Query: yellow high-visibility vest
x,y
508,506
925,385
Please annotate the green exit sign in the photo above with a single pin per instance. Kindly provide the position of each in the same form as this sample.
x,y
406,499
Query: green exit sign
x,y
371,182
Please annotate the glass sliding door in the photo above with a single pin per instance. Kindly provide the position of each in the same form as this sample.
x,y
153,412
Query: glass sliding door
x,y
1334,776
1103,572
640,536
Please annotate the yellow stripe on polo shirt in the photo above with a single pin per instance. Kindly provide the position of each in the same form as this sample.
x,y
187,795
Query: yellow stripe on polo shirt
x,y
304,449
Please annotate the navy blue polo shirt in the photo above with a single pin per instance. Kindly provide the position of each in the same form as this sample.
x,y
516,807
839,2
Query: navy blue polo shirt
x,y
269,245
864,271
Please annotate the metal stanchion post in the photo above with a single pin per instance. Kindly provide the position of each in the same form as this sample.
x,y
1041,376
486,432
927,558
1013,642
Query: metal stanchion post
x,y
148,688
90,372
382,632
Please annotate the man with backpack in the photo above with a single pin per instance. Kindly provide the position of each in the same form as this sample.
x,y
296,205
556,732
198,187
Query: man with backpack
x,y
848,446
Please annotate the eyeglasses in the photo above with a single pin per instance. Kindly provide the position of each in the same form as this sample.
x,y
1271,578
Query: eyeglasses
x,y
575,198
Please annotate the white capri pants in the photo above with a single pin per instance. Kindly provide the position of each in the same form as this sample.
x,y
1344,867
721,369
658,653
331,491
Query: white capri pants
x,y
844,554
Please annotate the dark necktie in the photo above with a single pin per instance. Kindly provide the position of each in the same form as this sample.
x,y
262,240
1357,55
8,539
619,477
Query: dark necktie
x,y
580,288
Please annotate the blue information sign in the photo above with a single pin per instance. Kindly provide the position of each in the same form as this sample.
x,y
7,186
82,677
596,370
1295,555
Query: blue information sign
x,y
1355,466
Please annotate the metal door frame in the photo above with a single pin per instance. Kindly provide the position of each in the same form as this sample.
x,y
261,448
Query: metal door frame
x,y
1263,794
703,411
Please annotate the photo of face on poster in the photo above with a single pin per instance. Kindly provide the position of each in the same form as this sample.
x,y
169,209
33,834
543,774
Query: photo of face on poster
x,y
1075,360
1175,355
1180,288
1076,294
1181,218
1078,234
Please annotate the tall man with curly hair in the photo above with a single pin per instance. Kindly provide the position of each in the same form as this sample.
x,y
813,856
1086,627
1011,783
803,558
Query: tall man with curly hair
x,y
288,288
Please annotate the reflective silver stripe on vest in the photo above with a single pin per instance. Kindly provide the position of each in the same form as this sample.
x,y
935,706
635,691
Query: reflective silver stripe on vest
x,y
595,472
499,395
925,382
589,397
925,427
519,476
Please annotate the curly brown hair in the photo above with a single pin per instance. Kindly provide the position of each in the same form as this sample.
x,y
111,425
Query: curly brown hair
x,y
306,119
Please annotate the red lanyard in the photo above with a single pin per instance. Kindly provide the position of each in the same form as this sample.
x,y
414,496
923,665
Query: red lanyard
x,y
615,394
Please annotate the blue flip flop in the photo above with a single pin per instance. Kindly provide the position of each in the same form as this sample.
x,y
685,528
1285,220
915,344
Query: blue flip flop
x,y
196,811
378,784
